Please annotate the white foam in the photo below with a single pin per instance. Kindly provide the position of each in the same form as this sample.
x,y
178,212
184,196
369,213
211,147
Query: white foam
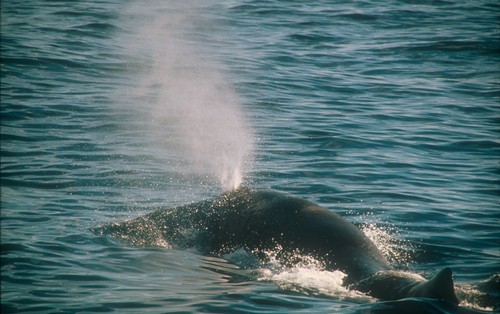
x,y
308,276
470,296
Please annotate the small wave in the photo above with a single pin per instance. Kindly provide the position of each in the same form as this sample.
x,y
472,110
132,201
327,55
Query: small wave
x,y
452,46
96,30
359,16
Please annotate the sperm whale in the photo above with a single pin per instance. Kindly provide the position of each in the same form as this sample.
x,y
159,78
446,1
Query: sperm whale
x,y
260,220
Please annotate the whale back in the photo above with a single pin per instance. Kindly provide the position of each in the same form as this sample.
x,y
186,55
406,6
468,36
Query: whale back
x,y
257,221
263,220
266,220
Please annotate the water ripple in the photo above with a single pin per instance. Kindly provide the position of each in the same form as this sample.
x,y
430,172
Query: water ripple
x,y
387,113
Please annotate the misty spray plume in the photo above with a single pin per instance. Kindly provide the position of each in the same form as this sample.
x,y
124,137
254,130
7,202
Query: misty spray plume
x,y
192,105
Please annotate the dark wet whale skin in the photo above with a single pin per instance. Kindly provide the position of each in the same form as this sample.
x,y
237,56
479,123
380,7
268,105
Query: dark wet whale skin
x,y
260,220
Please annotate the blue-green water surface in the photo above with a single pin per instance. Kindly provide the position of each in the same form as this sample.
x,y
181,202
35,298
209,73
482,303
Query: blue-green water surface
x,y
386,112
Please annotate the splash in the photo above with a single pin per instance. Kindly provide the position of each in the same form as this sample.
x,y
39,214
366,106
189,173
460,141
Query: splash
x,y
307,275
472,297
191,107
397,251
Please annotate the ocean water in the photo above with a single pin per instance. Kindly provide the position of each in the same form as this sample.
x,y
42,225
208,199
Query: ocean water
x,y
387,113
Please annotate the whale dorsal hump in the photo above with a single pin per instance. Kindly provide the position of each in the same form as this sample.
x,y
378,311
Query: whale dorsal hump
x,y
439,287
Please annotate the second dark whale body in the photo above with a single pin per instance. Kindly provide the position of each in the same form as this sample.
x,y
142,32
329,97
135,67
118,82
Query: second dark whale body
x,y
259,221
